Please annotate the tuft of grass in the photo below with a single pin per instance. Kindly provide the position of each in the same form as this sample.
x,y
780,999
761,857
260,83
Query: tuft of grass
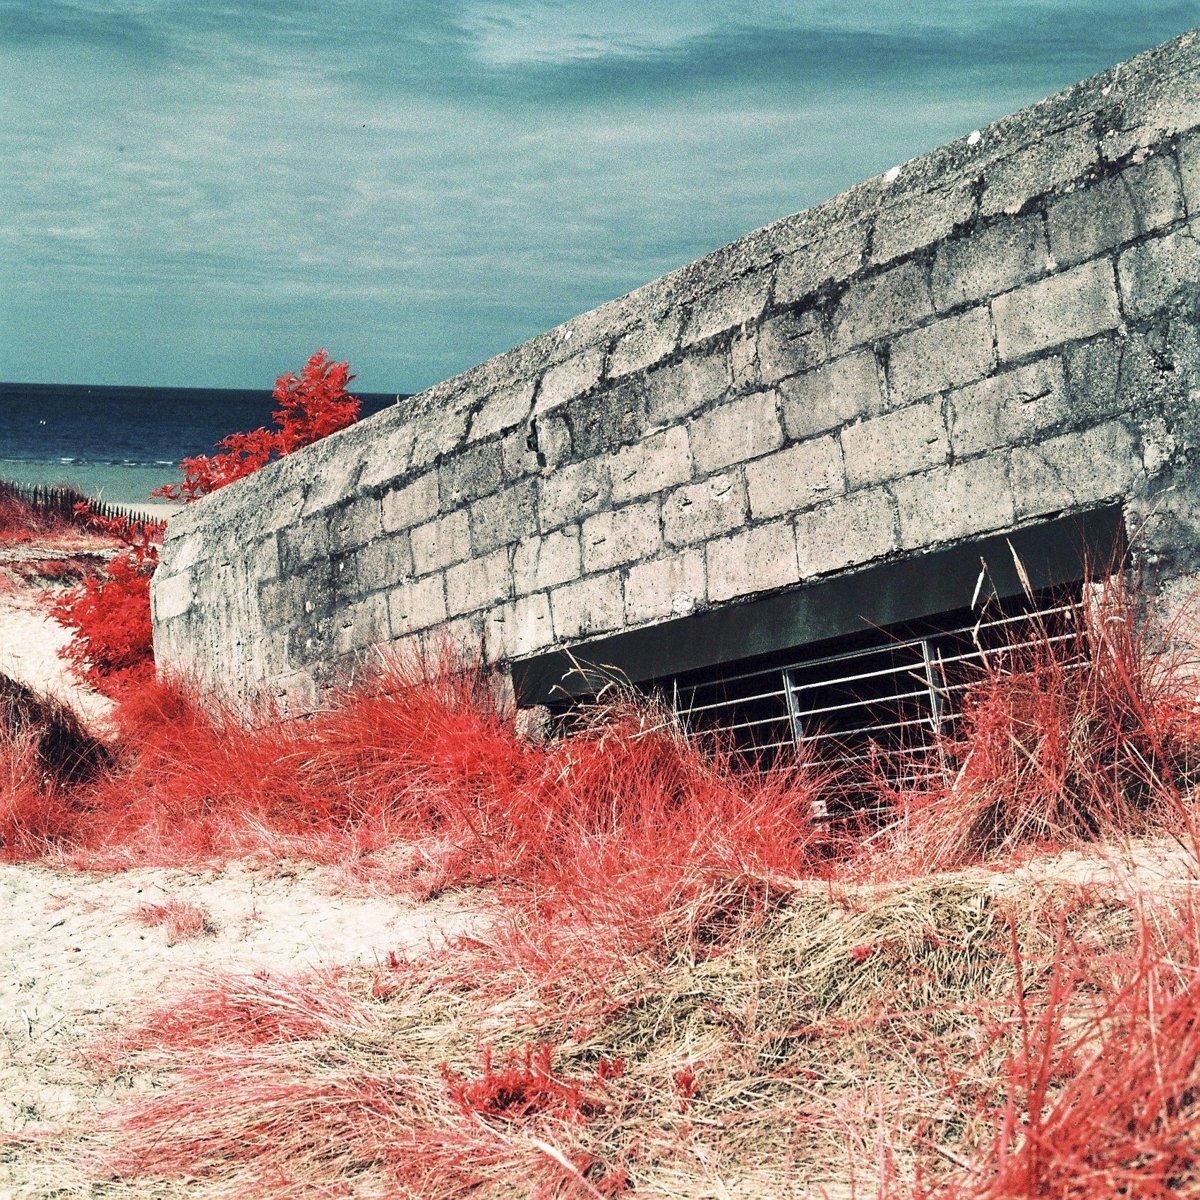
x,y
179,919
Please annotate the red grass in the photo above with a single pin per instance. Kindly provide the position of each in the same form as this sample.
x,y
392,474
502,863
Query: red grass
x,y
1096,736
179,919
20,522
1101,1095
35,814
613,838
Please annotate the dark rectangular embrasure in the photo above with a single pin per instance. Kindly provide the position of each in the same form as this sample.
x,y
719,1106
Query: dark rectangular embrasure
x,y
1054,552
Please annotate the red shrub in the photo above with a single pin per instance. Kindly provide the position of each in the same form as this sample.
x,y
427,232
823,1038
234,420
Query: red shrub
x,y
311,406
111,645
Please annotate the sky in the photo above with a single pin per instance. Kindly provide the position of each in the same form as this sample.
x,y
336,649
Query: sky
x,y
200,194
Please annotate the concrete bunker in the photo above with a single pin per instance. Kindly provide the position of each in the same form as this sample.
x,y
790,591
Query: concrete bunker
x,y
871,665
998,341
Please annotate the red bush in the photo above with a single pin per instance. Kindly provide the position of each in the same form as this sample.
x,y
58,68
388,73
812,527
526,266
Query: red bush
x,y
111,645
311,406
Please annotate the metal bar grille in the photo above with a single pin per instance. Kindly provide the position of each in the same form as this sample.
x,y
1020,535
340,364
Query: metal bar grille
x,y
883,695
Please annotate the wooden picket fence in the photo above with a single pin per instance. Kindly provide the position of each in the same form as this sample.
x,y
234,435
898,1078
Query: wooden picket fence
x,y
58,503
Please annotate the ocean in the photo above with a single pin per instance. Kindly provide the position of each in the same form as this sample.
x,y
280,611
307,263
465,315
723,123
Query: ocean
x,y
120,443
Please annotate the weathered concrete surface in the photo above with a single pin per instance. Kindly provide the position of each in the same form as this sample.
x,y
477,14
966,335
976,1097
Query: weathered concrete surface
x,y
1001,330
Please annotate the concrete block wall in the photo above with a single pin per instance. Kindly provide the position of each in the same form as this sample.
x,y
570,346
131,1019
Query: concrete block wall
x,y
1001,330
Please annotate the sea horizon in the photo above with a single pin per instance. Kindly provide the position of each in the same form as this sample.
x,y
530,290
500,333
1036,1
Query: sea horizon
x,y
121,442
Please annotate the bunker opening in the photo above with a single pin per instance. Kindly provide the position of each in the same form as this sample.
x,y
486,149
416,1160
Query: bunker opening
x,y
867,671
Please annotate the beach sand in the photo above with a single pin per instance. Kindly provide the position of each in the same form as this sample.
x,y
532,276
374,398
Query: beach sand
x,y
75,963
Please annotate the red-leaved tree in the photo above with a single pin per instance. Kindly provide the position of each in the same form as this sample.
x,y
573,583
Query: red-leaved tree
x,y
310,406
108,614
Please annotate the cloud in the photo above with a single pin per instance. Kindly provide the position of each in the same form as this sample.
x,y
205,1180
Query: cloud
x,y
201,191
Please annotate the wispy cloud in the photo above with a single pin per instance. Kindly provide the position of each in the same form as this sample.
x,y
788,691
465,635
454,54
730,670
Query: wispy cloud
x,y
201,192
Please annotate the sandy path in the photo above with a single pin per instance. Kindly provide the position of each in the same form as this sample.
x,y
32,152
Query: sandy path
x,y
75,963
29,646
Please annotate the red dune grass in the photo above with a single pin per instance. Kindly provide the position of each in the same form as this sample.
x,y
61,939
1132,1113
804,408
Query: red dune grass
x,y
1066,739
619,853
179,919
1101,1093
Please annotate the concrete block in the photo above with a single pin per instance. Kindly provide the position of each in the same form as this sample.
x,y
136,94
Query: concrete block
x,y
611,417
412,504
665,587
621,535
946,505
504,518
172,596
848,532
833,257
1161,271
952,351
731,304
471,472
1075,469
1167,104
569,379
802,475
304,542
383,563
1189,171
587,607
417,604
736,431
651,465
504,409
844,390
877,307
1143,197
895,444
1075,304
361,624
1044,166
645,345
573,492
789,344
991,259
479,583
264,558
543,445
675,391
438,433
702,510
518,628
755,560
354,524
439,543
1008,409
545,560
922,219
389,457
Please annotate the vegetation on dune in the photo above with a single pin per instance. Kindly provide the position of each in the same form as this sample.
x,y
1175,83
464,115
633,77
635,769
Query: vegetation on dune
x,y
688,984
